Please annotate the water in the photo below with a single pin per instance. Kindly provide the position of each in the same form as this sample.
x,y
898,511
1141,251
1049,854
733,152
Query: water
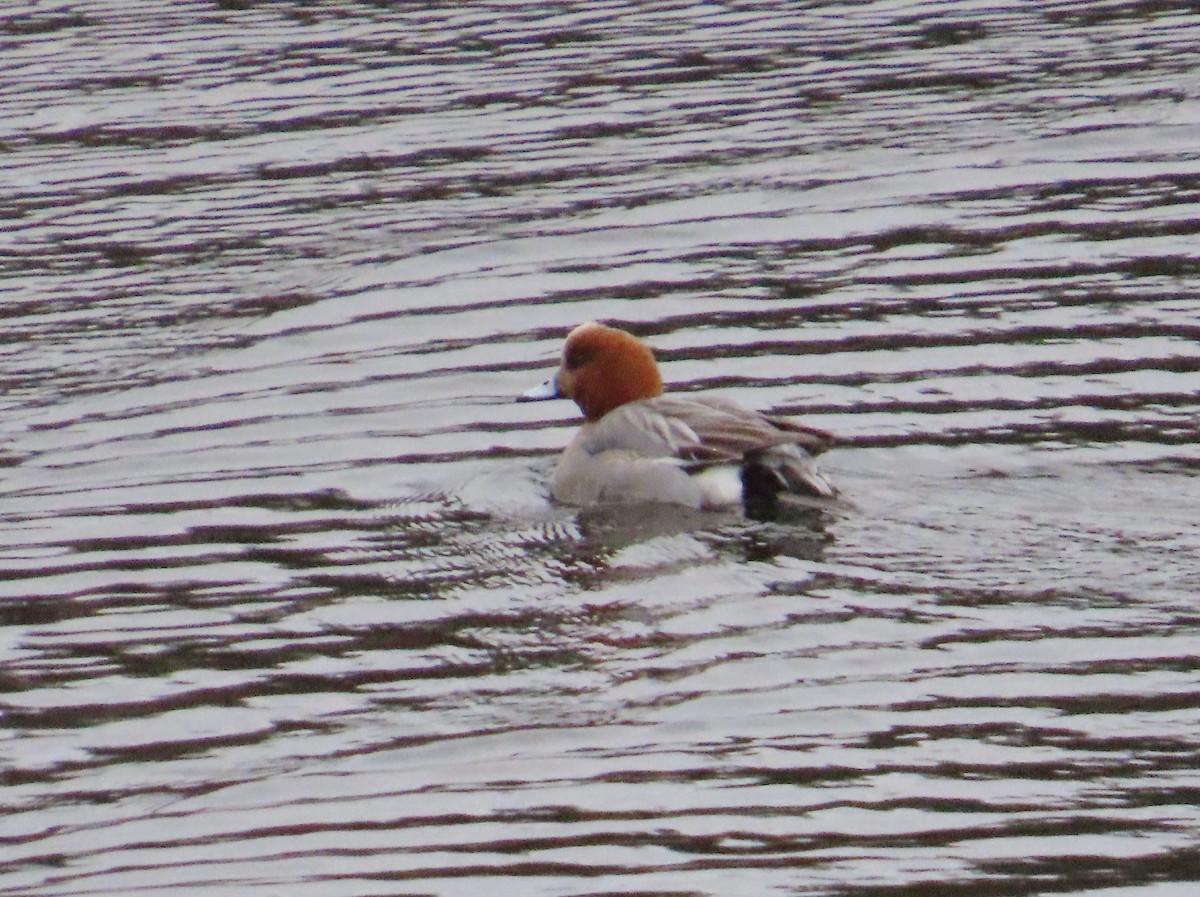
x,y
285,605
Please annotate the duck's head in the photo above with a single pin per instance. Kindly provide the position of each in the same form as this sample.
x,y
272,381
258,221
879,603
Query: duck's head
x,y
602,369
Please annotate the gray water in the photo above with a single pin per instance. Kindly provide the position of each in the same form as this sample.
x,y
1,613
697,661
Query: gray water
x,y
285,607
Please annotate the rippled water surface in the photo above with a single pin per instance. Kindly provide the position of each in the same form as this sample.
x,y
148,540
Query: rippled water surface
x,y
285,607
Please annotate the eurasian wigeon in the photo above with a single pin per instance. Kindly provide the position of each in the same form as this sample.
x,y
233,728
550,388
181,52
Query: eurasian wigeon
x,y
638,445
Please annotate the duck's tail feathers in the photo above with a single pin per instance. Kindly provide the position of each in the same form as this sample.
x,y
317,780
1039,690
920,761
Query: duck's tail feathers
x,y
782,469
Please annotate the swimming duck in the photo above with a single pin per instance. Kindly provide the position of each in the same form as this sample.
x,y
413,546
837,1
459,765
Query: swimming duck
x,y
638,445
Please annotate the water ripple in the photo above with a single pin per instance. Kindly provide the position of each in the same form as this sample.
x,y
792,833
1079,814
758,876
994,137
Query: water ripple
x,y
285,603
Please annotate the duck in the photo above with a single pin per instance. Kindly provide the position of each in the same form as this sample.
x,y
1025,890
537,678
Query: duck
x,y
638,444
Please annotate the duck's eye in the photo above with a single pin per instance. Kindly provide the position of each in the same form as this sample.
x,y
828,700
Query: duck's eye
x,y
576,358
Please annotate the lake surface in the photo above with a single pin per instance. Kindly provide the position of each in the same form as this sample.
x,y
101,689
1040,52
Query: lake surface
x,y
285,607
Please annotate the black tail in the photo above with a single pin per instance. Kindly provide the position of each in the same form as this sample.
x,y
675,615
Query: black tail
x,y
770,472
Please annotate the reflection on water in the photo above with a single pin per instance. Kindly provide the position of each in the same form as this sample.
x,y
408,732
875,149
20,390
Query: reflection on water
x,y
285,605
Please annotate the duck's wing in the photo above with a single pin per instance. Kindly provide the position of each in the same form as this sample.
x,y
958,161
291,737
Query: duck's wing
x,y
733,430
776,453
707,430
812,439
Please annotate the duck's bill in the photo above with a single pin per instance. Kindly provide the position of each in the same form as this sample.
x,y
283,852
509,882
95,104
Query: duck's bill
x,y
547,390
